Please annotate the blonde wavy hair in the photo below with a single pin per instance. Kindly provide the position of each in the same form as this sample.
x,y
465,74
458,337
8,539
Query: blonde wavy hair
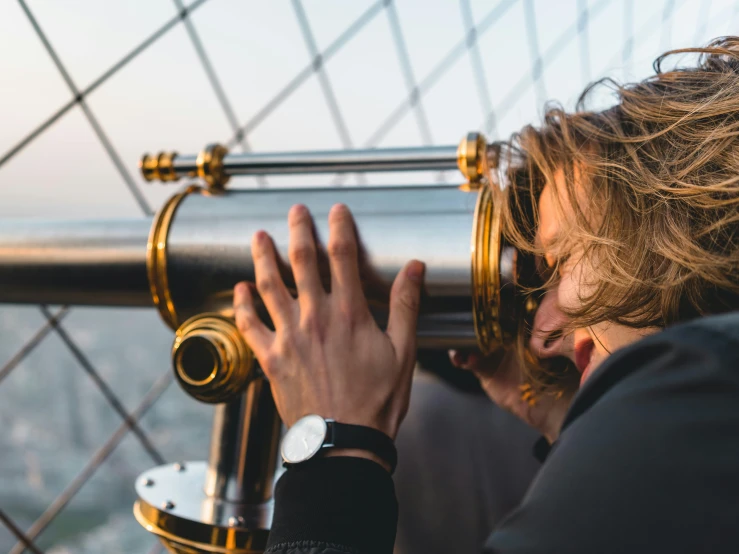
x,y
661,170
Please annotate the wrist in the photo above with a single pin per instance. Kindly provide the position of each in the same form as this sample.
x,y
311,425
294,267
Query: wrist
x,y
357,453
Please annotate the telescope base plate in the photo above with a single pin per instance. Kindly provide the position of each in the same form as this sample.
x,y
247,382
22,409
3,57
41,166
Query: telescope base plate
x,y
173,505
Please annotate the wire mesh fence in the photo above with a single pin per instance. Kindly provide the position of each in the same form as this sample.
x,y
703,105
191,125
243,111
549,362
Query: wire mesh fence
x,y
475,21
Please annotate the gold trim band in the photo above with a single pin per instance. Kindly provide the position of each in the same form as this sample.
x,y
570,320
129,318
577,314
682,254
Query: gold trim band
x,y
156,257
210,166
190,537
159,167
485,248
211,346
472,160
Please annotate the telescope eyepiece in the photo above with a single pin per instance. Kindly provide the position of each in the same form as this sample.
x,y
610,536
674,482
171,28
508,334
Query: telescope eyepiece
x,y
198,359
211,360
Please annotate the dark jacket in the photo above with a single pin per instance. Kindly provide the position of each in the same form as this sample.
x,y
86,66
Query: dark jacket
x,y
647,461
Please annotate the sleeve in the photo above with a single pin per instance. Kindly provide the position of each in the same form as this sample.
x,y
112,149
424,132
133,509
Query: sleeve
x,y
649,461
335,505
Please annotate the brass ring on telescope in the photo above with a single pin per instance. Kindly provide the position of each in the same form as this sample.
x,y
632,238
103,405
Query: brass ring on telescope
x,y
472,159
159,167
486,272
210,166
156,257
212,362
190,537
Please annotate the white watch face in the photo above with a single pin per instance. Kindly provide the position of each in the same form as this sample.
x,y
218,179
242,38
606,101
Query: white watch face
x,y
303,439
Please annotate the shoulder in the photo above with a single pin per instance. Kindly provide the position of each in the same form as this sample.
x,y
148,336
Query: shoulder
x,y
647,458
700,352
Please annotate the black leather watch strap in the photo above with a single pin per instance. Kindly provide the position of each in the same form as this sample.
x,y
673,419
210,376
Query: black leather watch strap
x,y
346,435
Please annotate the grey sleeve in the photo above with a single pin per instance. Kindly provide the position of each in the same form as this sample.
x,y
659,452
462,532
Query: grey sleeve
x,y
647,461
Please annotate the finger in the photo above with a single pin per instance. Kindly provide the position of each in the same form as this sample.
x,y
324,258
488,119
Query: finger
x,y
342,255
302,254
255,333
463,359
277,299
405,298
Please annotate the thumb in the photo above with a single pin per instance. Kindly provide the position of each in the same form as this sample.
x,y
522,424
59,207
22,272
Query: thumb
x,y
405,297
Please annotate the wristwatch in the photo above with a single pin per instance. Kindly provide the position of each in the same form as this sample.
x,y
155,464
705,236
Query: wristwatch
x,y
312,434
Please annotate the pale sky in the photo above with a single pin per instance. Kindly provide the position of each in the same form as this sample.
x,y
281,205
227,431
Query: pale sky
x,y
162,99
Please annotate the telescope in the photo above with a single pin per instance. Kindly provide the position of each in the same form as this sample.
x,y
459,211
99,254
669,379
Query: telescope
x,y
186,260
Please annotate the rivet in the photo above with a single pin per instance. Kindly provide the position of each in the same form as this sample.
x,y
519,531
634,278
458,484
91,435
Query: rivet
x,y
168,505
236,521
179,467
147,482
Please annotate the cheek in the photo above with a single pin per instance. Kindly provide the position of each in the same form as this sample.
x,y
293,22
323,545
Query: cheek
x,y
548,220
576,282
567,294
570,288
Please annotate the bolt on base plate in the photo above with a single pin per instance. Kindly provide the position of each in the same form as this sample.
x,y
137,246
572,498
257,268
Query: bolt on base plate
x,y
173,505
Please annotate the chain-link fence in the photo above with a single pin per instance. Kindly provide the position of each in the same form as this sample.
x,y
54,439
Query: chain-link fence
x,y
76,376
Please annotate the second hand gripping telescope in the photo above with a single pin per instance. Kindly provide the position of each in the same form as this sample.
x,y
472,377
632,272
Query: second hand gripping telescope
x,y
186,260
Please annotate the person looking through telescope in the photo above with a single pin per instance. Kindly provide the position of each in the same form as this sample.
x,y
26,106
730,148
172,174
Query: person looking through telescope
x,y
637,218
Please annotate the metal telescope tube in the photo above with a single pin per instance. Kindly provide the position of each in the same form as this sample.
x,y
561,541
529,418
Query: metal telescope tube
x,y
215,165
187,262
329,161
205,250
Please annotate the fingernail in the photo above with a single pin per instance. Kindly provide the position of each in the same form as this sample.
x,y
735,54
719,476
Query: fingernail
x,y
261,236
240,288
299,209
415,271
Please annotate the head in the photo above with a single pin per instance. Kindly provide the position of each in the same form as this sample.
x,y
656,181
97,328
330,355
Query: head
x,y
635,211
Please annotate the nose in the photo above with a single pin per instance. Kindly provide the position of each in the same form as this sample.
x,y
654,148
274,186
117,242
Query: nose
x,y
550,337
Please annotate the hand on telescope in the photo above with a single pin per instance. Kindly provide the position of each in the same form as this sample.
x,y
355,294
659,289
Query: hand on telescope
x,y
501,377
501,374
327,356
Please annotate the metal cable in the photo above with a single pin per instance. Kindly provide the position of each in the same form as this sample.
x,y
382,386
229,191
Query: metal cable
x,y
32,343
401,50
550,54
323,80
154,393
667,24
703,12
99,81
104,140
13,528
583,21
478,70
54,319
646,29
320,70
438,71
627,54
307,71
215,83
108,393
537,65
